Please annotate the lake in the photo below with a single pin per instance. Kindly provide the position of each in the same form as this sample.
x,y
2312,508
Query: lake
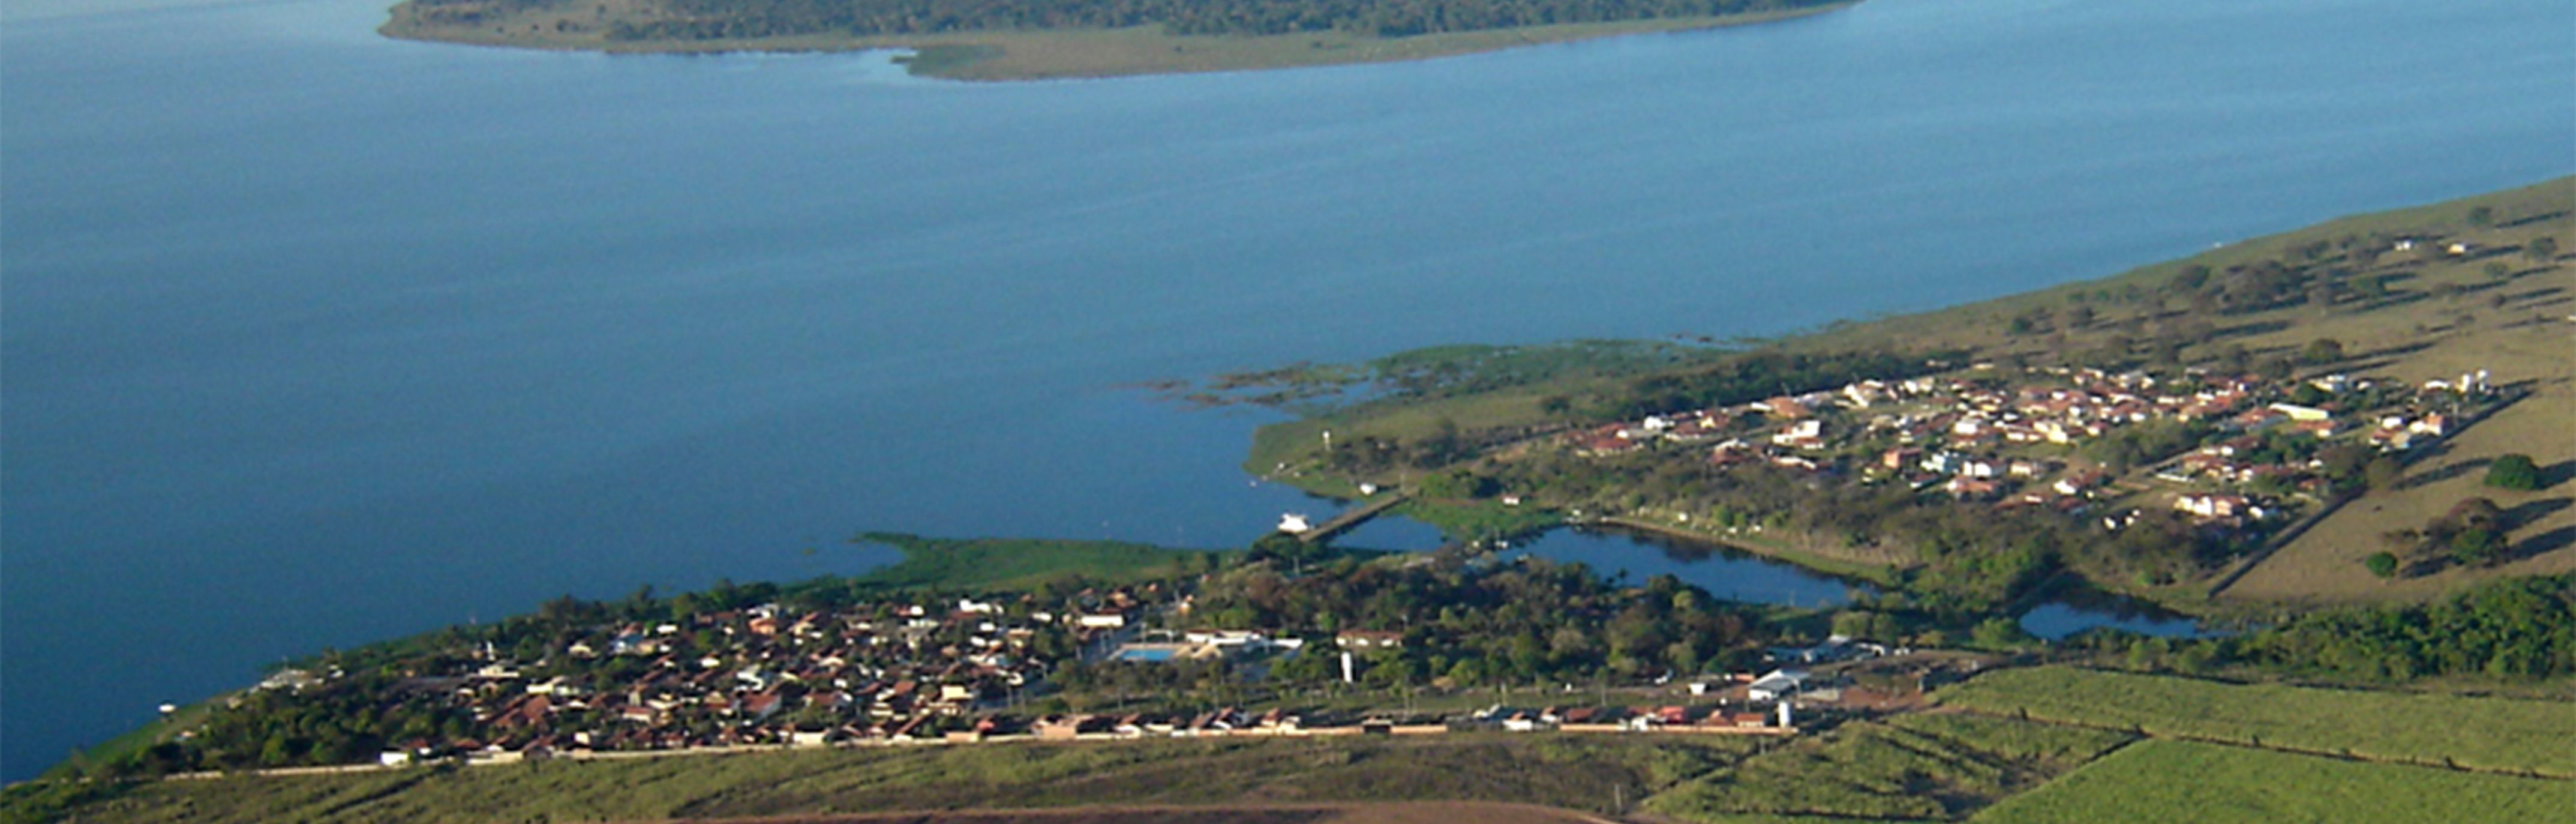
x,y
313,338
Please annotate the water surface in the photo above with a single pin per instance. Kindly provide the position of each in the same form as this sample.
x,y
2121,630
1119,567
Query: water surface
x,y
314,338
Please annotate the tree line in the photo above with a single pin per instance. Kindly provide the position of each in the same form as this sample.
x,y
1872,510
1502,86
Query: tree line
x,y
1517,623
2519,628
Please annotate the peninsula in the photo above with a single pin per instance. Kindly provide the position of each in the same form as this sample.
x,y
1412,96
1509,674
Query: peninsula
x,y
1036,39
2360,411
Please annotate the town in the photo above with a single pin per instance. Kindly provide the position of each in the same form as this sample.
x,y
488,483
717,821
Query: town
x,y
2236,452
900,672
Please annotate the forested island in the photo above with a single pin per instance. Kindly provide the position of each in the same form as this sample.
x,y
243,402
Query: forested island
x,y
1054,38
2345,444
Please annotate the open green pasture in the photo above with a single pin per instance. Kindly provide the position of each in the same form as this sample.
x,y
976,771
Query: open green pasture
x,y
1915,768
2168,781
2481,733
1586,773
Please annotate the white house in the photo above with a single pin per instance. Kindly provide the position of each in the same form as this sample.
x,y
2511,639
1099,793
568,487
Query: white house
x,y
1776,684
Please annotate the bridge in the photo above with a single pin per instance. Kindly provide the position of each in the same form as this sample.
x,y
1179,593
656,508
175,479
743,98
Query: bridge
x,y
1352,518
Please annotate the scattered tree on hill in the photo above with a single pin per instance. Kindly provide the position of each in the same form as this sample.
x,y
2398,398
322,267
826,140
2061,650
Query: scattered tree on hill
x,y
2541,250
2322,351
2477,546
2514,471
2382,564
2384,473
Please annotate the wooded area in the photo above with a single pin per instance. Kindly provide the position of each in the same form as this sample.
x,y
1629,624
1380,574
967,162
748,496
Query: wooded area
x,y
736,19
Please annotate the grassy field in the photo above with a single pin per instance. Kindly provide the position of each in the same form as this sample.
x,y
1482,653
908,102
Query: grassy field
x,y
2167,781
1982,325
1034,55
2496,734
2325,565
1021,563
1927,767
2516,327
1586,773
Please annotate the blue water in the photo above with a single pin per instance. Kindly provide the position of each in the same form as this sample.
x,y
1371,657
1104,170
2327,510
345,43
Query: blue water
x,y
2058,620
313,338
1726,573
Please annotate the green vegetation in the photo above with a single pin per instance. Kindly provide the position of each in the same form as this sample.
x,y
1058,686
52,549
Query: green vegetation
x,y
733,19
1022,563
2482,733
2515,471
1564,771
1481,520
1023,39
2514,630
2471,535
1515,623
1462,427
2165,781
2249,324
2382,564
1919,767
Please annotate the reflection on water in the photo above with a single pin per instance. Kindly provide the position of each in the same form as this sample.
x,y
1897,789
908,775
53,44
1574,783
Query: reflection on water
x,y
1725,572
2074,610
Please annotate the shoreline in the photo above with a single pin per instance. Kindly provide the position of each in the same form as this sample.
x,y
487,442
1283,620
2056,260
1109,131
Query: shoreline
x,y
1065,54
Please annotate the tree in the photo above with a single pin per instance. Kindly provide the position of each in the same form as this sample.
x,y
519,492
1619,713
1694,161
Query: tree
x,y
2190,278
2541,250
2514,471
2477,546
1998,633
2344,462
2322,351
2382,564
2481,215
2474,513
2383,473
1458,483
